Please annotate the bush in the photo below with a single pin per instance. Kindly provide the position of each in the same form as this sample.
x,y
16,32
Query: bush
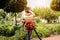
x,y
19,35
6,28
8,31
37,19
11,32
43,32
57,29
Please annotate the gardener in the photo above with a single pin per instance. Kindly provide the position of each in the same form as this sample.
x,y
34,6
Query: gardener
x,y
27,20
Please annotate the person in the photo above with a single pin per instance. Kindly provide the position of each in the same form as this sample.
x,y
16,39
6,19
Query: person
x,y
26,10
27,20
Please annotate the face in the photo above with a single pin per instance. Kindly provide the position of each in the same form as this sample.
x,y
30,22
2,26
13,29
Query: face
x,y
28,14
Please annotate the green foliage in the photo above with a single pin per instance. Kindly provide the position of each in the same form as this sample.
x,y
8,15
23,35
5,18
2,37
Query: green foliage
x,y
8,31
16,5
19,14
2,14
55,5
43,32
11,32
46,13
37,11
10,16
3,38
19,35
57,29
13,5
6,28
44,29
36,19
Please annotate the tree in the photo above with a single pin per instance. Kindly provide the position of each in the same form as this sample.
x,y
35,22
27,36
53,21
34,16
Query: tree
x,y
37,11
2,3
55,5
13,5
46,13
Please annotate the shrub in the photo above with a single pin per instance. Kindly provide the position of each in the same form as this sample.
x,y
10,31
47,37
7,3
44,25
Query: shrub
x,y
43,32
11,32
6,28
8,31
57,29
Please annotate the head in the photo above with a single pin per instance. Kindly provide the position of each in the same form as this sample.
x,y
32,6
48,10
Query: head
x,y
27,9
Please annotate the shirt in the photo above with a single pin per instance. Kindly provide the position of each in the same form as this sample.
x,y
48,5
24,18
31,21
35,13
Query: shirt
x,y
23,14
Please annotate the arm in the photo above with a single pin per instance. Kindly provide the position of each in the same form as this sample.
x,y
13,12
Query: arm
x,y
22,17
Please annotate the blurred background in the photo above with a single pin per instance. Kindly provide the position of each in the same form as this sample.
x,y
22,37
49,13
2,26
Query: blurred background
x,y
47,20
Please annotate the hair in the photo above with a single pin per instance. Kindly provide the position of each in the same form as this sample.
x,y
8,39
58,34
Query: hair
x,y
26,8
27,12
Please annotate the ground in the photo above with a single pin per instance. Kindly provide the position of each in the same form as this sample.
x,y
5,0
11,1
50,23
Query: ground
x,y
55,37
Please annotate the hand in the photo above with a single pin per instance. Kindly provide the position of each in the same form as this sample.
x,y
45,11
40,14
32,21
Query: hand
x,y
22,21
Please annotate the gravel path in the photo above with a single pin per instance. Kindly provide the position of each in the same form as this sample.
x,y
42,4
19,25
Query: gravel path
x,y
56,37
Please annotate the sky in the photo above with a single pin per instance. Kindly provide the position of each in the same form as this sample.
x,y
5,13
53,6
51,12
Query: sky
x,y
38,3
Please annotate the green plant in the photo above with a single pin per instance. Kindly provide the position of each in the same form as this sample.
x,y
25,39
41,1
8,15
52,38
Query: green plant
x,y
55,5
57,29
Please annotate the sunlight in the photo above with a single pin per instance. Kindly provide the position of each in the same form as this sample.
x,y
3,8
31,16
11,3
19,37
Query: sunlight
x,y
39,3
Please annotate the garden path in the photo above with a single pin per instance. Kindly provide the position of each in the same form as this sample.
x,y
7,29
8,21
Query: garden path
x,y
53,37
